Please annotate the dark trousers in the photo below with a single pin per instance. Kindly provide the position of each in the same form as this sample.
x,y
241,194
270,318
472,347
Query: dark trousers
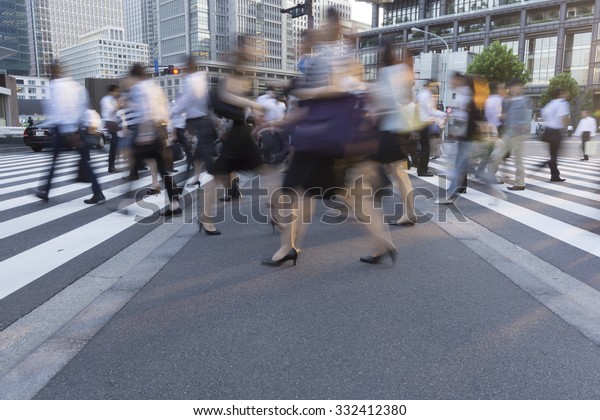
x,y
585,137
112,128
73,140
423,166
155,152
554,147
274,147
206,135
187,148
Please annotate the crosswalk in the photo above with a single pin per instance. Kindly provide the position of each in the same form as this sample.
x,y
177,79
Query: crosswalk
x,y
33,243
23,216
567,211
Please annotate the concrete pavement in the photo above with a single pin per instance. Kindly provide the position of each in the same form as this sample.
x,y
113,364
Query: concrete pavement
x,y
458,317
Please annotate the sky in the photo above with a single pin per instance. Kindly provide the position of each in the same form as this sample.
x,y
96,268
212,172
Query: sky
x,y
361,11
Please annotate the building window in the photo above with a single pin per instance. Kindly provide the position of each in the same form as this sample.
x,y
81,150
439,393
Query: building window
x,y
432,9
471,26
577,56
541,59
400,12
506,21
550,14
511,45
580,10
460,6
442,30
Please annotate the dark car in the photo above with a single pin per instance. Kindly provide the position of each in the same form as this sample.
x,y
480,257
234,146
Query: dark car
x,y
40,136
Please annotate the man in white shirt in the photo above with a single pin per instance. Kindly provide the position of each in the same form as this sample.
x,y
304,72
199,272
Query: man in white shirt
x,y
109,105
586,129
556,117
272,142
65,110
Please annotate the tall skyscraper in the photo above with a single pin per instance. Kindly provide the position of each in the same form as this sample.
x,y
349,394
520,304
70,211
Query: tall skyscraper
x,y
57,24
141,25
13,36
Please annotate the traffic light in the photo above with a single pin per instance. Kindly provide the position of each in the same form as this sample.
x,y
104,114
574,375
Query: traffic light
x,y
171,70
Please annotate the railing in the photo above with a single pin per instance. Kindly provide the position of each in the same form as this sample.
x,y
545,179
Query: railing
x,y
11,131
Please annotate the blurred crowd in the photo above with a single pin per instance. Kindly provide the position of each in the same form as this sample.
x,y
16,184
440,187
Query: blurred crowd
x,y
328,134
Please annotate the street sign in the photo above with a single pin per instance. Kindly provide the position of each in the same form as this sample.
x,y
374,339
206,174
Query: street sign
x,y
296,11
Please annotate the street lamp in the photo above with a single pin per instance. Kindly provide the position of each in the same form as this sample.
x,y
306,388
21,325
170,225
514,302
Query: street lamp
x,y
445,73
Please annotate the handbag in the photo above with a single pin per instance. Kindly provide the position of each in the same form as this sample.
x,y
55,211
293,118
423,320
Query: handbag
x,y
176,152
337,127
548,135
410,119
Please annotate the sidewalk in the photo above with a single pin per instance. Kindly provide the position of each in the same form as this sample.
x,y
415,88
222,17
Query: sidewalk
x,y
447,322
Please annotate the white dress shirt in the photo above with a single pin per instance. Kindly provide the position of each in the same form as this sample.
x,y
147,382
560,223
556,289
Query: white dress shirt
x,y
586,124
67,105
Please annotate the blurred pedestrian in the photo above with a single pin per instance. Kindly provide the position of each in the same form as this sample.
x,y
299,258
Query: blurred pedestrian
x,y
391,92
328,87
65,110
239,152
428,114
148,118
492,112
463,127
194,102
556,118
516,117
586,129
109,106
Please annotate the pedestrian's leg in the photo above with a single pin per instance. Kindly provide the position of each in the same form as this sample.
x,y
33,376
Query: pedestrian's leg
x,y
114,145
402,180
57,143
85,163
553,163
517,150
423,166
362,199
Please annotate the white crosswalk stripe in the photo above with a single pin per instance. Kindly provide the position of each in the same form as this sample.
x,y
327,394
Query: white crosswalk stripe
x,y
21,174
537,205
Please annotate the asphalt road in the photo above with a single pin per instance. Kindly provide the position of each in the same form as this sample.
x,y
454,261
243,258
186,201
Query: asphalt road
x,y
451,320
442,324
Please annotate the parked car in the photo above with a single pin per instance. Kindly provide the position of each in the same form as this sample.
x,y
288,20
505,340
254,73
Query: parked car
x,y
40,135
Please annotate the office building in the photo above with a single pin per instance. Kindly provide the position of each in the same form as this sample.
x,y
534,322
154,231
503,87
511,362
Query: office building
x,y
102,54
32,88
549,36
141,25
57,24
14,44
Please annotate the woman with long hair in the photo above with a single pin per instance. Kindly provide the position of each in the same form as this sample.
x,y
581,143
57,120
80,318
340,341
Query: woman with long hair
x,y
391,92
312,173
239,152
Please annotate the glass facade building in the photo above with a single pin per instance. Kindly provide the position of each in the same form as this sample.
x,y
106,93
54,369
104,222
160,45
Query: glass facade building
x,y
57,24
549,36
140,24
13,36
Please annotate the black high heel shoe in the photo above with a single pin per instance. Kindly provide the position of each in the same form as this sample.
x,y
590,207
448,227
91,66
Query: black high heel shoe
x,y
392,253
208,232
291,256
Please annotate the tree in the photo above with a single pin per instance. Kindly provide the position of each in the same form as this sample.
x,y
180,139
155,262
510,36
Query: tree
x,y
566,82
497,64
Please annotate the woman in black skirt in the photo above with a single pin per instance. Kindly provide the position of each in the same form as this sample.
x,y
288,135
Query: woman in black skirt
x,y
310,173
239,152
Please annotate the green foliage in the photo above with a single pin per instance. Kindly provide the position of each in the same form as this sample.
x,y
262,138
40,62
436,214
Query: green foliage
x,y
497,64
566,82
587,102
